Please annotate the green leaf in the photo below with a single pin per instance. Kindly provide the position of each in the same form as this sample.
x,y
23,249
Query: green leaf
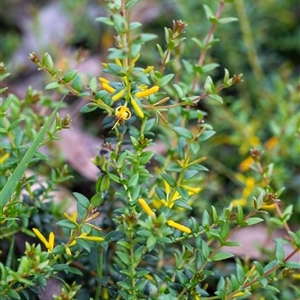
x,y
134,25
14,124
205,219
133,181
227,20
89,107
253,221
240,214
263,281
240,274
295,237
292,265
207,134
221,256
93,84
120,23
279,251
124,257
146,37
165,79
52,85
209,67
216,98
151,241
183,132
183,204
208,12
97,199
105,20
69,76
259,268
232,244
77,84
169,179
145,157
209,85
16,176
12,294
47,61
179,91
84,201
6,104
66,224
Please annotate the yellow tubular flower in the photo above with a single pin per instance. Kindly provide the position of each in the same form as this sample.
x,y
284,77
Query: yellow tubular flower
x,y
148,69
147,92
72,218
48,244
137,108
123,113
68,251
246,163
271,143
4,158
118,62
118,95
107,87
178,226
146,207
103,80
84,236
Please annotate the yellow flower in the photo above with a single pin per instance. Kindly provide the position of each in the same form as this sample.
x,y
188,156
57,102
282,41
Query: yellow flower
x,y
122,114
169,201
72,218
68,251
247,191
246,163
136,107
118,95
178,226
241,202
148,69
271,143
147,92
84,236
146,207
107,87
48,244
3,158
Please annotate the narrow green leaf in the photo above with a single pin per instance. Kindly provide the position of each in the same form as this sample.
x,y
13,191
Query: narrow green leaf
x,y
240,275
14,179
279,251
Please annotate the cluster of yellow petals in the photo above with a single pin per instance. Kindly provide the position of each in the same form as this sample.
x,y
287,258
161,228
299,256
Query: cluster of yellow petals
x,y
147,209
125,92
50,243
